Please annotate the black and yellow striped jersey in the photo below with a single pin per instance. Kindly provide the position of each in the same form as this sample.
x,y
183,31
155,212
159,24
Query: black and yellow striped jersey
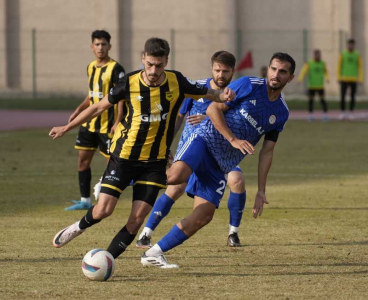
x,y
101,80
147,130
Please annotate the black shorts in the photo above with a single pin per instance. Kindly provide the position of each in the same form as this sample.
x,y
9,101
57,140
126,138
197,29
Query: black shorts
x,y
87,140
321,92
148,177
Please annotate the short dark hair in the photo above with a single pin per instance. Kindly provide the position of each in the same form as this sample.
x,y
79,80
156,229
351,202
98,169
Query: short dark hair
x,y
284,57
157,47
101,34
351,41
224,58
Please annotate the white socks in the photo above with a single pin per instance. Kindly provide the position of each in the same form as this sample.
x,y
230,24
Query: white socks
x,y
233,229
154,251
86,200
97,189
146,232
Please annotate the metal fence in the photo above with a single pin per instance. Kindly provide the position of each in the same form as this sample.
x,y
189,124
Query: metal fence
x,y
38,62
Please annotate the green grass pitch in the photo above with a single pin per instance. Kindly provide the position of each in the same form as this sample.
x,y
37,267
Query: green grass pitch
x,y
310,243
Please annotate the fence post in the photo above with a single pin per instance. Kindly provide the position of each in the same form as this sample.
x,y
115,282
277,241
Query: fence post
x,y
341,40
172,46
238,49
305,53
34,83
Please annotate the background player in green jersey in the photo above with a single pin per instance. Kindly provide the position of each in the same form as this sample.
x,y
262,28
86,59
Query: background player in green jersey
x,y
349,73
103,73
317,74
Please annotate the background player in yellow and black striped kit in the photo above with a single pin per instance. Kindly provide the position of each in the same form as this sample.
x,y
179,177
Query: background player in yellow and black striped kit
x,y
103,74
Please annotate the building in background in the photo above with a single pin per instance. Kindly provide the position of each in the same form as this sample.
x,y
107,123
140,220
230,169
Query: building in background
x,y
43,43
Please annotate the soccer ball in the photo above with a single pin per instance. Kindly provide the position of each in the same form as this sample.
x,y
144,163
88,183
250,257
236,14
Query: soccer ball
x,y
98,265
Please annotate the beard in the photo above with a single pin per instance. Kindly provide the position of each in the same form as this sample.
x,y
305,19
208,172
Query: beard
x,y
222,84
277,87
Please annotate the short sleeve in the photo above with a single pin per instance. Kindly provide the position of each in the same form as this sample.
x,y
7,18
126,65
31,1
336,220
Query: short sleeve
x,y
117,92
117,73
191,88
242,88
186,106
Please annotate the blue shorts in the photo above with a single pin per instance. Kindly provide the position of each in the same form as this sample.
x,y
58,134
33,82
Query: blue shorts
x,y
207,180
237,168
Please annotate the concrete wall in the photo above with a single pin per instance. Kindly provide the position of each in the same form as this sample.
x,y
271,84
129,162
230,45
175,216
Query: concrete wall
x,y
3,78
359,33
194,29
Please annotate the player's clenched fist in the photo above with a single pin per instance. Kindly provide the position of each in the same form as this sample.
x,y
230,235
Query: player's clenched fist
x,y
57,132
228,94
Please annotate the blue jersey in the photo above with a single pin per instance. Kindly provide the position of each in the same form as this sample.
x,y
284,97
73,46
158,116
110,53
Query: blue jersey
x,y
249,117
193,107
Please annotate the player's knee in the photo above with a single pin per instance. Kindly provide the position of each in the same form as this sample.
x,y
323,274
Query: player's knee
x,y
83,164
134,223
175,191
102,212
178,173
236,183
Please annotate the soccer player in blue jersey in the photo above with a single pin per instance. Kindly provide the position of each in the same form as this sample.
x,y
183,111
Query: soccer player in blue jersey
x,y
223,67
220,143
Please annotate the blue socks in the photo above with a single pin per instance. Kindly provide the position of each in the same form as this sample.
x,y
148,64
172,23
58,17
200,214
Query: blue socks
x,y
174,238
236,205
159,211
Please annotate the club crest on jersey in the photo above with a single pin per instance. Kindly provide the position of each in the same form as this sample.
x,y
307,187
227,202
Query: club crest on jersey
x,y
272,119
169,95
139,98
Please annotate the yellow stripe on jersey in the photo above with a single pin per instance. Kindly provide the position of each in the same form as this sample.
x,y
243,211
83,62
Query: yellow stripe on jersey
x,y
135,104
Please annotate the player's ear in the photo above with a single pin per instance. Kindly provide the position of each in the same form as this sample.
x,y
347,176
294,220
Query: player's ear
x,y
291,78
109,47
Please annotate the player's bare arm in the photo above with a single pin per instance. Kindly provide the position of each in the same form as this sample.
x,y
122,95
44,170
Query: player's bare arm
x,y
86,115
79,109
264,165
195,119
216,113
220,96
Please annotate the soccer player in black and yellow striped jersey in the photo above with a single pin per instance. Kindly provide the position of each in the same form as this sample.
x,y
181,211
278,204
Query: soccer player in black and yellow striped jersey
x,y
103,74
141,143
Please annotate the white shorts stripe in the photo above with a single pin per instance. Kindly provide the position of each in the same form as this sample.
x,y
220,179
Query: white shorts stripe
x,y
185,146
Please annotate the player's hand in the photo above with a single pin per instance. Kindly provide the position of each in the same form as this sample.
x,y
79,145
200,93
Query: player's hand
x,y
195,119
113,128
228,95
57,132
258,204
73,116
243,145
